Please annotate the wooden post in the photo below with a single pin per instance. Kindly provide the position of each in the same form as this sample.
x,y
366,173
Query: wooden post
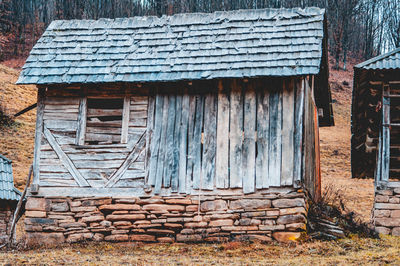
x,y
82,117
38,139
125,118
385,133
298,133
222,158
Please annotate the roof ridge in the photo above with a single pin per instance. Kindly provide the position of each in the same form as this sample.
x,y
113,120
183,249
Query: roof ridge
x,y
377,58
316,9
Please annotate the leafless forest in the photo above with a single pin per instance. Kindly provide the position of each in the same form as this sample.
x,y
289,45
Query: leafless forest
x,y
359,28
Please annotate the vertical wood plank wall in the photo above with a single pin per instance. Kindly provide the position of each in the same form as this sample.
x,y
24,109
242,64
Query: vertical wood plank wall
x,y
237,134
225,134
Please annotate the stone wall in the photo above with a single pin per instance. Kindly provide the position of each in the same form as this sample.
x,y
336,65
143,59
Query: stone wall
x,y
386,212
280,216
6,213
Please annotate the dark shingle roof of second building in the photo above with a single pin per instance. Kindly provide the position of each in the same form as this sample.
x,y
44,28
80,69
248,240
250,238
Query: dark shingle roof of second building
x,y
390,60
229,44
7,189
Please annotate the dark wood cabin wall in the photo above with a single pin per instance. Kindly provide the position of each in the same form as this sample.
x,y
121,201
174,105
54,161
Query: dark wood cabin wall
x,y
95,163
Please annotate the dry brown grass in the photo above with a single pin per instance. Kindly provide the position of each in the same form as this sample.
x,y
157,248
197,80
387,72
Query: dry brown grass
x,y
16,142
343,252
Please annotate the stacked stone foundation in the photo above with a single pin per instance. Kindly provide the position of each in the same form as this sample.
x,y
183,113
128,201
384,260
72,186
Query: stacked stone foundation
x,y
386,212
262,217
6,214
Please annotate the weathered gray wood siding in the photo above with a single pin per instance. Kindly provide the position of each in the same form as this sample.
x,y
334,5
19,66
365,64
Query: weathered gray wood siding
x,y
238,134
182,138
63,163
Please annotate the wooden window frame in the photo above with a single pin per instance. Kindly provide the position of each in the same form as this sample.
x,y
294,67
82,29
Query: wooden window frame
x,y
82,119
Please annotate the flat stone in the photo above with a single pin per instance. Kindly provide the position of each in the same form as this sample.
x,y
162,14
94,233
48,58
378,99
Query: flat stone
x,y
91,219
106,223
41,221
266,227
60,207
286,236
35,214
175,220
120,212
255,222
72,225
143,238
387,192
394,200
84,209
150,201
397,190
161,231
187,231
116,238
391,222
213,205
120,207
223,222
396,231
245,221
296,210
75,203
188,238
216,239
165,239
163,207
127,200
123,223
98,237
385,213
119,232
288,203
172,225
272,213
192,208
381,198
239,228
96,202
196,225
257,238
290,219
179,201
158,221
253,214
126,217
149,225
37,204
382,230
250,204
296,227
73,238
44,239
387,206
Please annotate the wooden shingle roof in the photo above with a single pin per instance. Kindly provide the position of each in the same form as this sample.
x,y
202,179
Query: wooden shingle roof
x,y
7,189
229,44
390,60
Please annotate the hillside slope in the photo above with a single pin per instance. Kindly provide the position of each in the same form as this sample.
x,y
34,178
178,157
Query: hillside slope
x,y
16,141
358,194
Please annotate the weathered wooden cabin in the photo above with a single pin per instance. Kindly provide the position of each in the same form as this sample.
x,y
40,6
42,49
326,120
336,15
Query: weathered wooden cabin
x,y
9,197
375,143
188,127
